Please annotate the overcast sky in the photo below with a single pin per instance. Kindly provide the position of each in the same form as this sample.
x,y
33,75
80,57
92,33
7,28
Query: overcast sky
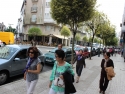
x,y
10,11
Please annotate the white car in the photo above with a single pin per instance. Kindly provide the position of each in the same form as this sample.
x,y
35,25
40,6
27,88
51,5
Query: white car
x,y
1,43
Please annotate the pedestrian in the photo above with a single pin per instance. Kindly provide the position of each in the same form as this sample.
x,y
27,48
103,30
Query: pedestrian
x,y
59,46
33,68
106,62
60,67
80,62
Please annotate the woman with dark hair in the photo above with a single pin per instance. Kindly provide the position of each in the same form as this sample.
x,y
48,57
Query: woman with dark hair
x,y
59,68
33,68
106,62
80,62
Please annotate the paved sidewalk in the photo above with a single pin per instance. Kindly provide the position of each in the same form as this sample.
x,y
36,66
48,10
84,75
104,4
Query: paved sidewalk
x,y
89,81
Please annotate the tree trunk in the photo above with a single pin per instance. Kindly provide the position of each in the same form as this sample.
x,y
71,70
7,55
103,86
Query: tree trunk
x,y
72,59
92,46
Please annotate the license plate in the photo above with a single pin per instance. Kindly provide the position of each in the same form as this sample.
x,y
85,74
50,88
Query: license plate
x,y
48,60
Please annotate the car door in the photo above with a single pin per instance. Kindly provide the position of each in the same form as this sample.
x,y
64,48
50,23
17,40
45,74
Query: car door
x,y
68,55
19,62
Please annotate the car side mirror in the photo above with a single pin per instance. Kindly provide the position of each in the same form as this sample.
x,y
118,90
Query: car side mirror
x,y
17,59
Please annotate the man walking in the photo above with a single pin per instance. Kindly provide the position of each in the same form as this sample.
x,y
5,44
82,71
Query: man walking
x,y
59,46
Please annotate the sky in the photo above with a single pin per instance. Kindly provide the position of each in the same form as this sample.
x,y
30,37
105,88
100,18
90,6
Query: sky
x,y
10,11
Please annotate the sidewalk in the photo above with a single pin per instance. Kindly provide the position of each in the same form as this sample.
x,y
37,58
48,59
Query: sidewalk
x,y
89,81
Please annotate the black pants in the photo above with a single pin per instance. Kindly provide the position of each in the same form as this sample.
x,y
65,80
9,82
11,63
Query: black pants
x,y
103,82
79,70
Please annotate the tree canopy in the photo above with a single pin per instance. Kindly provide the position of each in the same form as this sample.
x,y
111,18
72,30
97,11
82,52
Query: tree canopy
x,y
34,31
10,29
85,39
72,12
65,31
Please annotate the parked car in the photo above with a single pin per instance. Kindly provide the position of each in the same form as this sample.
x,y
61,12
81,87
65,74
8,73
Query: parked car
x,y
93,52
77,49
13,60
50,56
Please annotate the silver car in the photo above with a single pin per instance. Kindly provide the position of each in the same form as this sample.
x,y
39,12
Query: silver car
x,y
13,60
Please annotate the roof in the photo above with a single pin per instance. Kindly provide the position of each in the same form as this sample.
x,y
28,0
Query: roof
x,y
19,46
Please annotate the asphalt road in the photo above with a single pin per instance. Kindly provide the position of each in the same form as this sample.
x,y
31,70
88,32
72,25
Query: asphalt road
x,y
46,67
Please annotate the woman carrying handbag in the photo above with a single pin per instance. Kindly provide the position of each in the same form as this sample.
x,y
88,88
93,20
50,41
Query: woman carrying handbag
x,y
106,62
56,84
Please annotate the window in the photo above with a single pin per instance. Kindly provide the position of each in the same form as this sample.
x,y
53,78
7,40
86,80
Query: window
x,y
33,19
47,28
34,8
47,15
22,54
47,4
68,51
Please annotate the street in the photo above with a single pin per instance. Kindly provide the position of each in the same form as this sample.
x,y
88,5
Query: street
x,y
89,80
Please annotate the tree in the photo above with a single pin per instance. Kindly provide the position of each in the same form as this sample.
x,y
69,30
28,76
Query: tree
x,y
112,42
65,31
34,31
72,12
95,40
77,38
85,39
10,29
94,24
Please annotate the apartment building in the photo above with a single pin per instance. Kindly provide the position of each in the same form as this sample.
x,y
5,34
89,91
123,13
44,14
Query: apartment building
x,y
36,13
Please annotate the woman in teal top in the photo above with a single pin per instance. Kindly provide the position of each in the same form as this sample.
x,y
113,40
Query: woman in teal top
x,y
59,68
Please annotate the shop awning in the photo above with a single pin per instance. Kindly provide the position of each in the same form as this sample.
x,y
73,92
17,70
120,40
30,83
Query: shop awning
x,y
59,36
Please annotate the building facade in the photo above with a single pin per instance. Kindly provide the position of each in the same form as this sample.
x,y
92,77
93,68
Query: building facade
x,y
36,13
2,26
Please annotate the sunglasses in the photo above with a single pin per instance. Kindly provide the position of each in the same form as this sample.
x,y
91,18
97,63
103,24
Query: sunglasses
x,y
31,52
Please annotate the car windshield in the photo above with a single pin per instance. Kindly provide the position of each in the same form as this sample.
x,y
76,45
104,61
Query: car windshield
x,y
7,52
53,51
78,48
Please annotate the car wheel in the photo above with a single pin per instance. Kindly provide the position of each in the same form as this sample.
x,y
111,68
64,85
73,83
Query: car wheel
x,y
3,77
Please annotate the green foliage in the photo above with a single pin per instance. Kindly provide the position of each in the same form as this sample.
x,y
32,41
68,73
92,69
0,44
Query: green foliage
x,y
34,31
77,37
90,39
85,39
10,29
72,12
112,42
68,11
65,31
95,40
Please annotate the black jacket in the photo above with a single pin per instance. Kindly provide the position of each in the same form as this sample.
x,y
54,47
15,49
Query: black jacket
x,y
68,80
109,64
